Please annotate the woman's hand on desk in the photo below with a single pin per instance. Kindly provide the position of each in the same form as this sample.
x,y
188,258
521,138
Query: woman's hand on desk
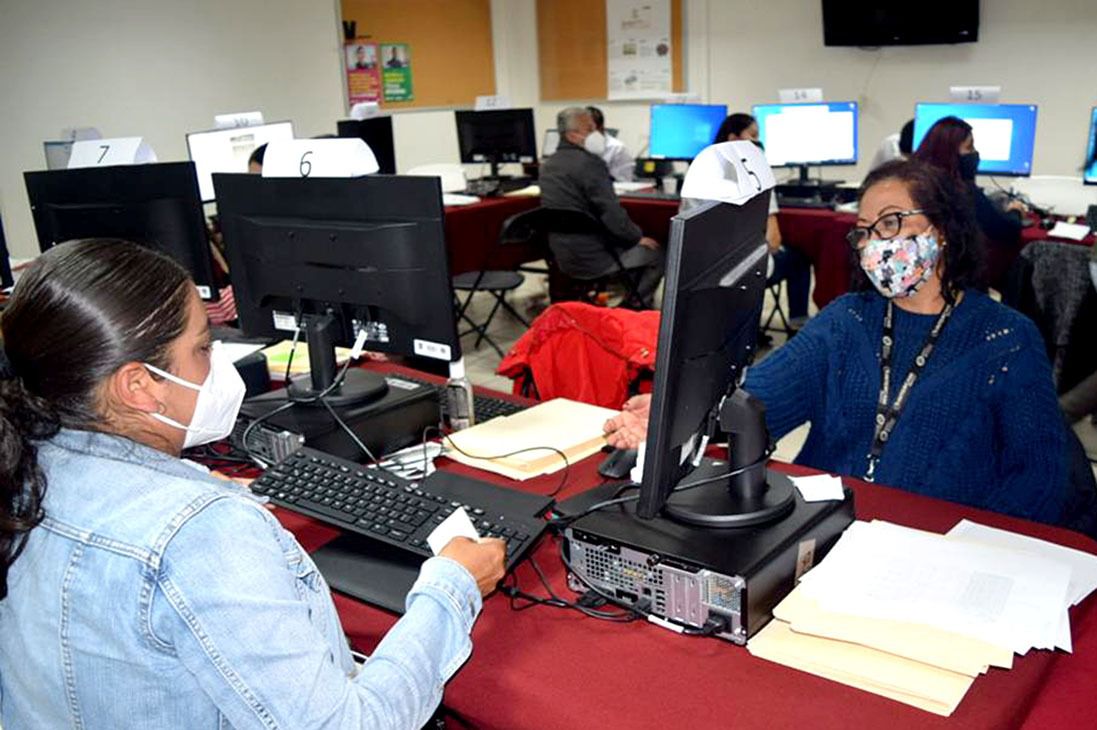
x,y
629,427
484,560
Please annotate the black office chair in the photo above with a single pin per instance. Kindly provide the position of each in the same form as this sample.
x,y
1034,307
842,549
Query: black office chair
x,y
567,287
517,231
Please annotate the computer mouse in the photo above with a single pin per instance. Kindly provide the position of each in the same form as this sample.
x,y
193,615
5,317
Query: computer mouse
x,y
618,464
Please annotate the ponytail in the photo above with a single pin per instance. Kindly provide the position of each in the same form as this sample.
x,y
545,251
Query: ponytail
x,y
25,419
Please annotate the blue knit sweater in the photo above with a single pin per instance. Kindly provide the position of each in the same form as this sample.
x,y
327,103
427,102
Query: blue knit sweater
x,y
981,427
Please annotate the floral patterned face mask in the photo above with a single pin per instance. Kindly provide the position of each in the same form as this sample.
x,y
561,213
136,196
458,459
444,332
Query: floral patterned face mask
x,y
898,267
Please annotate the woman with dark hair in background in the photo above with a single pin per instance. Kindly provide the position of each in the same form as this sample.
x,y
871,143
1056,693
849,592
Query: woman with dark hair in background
x,y
137,591
789,265
950,145
918,380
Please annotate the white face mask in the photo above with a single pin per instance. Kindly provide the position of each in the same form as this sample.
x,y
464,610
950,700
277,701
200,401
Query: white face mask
x,y
595,143
218,404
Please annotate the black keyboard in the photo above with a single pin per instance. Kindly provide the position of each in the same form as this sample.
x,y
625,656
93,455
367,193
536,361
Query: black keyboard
x,y
788,201
396,511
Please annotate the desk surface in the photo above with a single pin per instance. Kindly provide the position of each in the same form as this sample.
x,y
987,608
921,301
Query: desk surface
x,y
552,668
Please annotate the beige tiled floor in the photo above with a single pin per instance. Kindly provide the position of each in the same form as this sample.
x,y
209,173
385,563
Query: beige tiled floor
x,y
532,297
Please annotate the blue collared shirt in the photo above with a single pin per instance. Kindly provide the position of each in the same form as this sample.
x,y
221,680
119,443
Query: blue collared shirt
x,y
154,596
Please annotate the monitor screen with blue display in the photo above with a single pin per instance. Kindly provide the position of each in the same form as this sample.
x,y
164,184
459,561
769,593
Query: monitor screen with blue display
x,y
808,134
1004,133
680,131
1089,170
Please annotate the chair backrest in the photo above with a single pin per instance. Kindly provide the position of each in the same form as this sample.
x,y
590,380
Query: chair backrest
x,y
532,225
453,176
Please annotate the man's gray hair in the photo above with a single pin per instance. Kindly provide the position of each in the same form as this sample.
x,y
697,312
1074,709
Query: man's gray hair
x,y
568,120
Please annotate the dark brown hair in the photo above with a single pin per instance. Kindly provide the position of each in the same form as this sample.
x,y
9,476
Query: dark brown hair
x,y
941,145
949,208
734,124
80,312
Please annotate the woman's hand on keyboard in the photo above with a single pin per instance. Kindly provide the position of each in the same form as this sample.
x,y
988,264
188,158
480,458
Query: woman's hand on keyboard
x,y
485,560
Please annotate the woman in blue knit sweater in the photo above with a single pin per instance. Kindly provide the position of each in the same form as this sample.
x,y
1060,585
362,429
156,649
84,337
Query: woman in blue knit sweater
x,y
969,413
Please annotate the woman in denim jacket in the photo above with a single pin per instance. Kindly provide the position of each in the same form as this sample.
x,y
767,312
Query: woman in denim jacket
x,y
136,591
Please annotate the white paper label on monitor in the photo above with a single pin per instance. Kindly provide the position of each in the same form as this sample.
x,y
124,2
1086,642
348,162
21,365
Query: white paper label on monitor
x,y
238,119
805,558
347,157
285,322
204,291
498,101
975,95
104,152
436,350
365,110
730,172
799,96
402,384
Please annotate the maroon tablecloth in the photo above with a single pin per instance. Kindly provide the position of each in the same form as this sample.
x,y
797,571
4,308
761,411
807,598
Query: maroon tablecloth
x,y
821,235
472,232
551,668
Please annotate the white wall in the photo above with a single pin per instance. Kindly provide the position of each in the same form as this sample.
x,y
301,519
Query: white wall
x,y
158,69
161,69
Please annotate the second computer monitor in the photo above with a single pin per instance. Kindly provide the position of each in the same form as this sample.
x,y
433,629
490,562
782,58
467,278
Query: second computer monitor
x,y
680,131
808,134
369,252
228,150
496,136
1089,169
377,133
1004,133
153,205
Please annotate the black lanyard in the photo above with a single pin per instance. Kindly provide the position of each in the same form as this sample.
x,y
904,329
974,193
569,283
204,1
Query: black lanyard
x,y
887,416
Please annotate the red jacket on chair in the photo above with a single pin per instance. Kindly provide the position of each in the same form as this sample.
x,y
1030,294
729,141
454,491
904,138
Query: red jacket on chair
x,y
585,353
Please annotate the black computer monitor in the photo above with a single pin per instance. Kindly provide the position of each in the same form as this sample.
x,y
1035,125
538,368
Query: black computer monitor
x,y
808,134
155,205
341,256
715,281
680,131
377,133
496,136
6,278
1004,134
228,150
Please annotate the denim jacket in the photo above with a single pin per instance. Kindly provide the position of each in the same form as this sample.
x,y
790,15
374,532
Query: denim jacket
x,y
154,596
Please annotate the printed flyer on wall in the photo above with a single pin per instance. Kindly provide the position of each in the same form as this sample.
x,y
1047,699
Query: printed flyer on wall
x,y
363,72
396,76
638,48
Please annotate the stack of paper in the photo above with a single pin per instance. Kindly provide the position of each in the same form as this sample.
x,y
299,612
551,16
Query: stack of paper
x,y
529,443
917,616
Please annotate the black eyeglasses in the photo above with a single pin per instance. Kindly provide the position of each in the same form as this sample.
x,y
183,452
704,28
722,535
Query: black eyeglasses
x,y
885,227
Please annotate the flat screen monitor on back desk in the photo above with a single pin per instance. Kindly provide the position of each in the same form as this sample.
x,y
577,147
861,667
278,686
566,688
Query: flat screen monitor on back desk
x,y
680,131
1089,168
496,136
228,150
810,134
376,132
155,205
1004,134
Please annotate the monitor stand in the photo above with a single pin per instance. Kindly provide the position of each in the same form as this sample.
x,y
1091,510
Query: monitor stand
x,y
744,499
358,386
805,179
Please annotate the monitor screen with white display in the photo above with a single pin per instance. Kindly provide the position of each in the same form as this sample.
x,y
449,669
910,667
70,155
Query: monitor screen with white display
x,y
228,150
1089,169
808,134
1004,133
680,131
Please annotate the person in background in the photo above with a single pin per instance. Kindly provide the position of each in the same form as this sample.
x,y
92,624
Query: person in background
x,y
898,146
789,265
136,590
575,178
918,380
255,162
622,166
950,146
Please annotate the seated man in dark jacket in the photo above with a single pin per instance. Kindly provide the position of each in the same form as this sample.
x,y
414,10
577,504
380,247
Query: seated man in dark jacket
x,y
576,177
